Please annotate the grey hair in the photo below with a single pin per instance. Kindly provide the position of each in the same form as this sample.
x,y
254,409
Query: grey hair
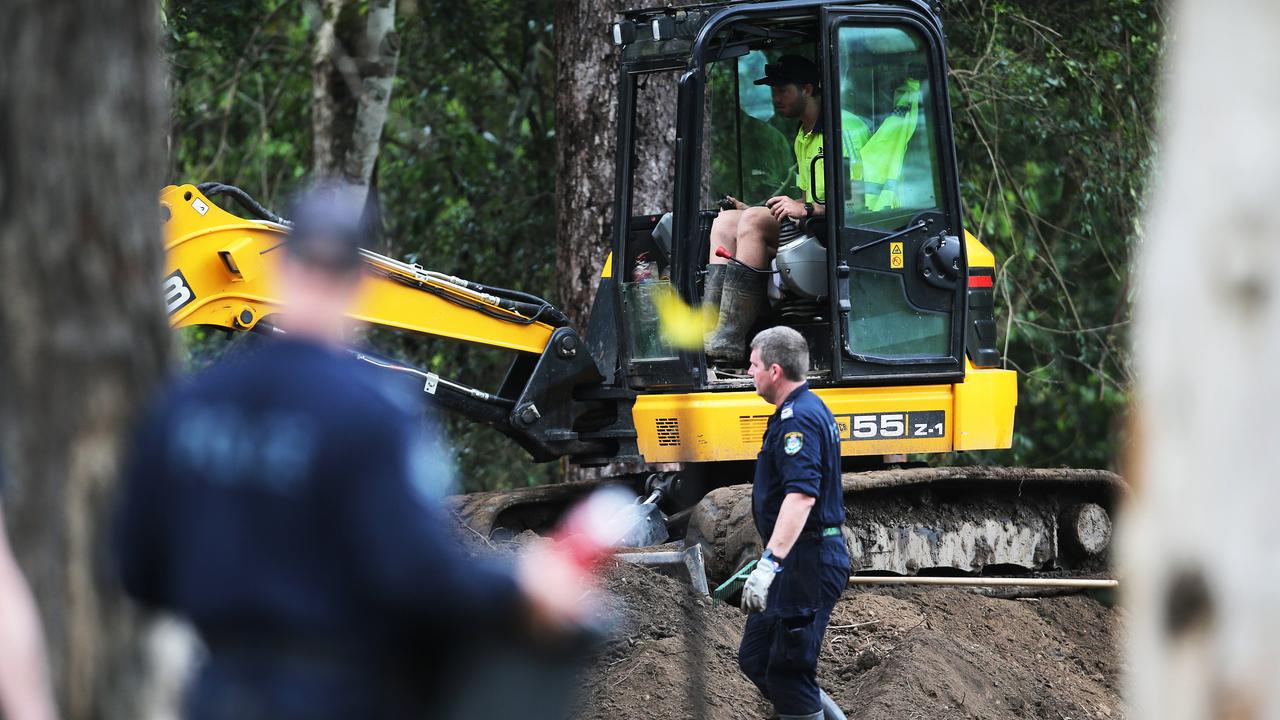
x,y
784,347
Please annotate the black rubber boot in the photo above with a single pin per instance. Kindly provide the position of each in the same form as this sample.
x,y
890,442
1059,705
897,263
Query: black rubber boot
x,y
712,289
830,710
740,301
713,286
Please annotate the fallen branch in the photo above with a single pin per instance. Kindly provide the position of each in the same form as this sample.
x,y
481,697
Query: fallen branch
x,y
987,581
854,625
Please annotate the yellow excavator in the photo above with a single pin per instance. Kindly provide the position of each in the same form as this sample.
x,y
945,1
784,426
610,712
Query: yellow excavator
x,y
894,297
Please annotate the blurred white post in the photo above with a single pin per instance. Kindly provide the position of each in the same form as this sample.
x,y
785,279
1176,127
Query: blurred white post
x,y
1202,541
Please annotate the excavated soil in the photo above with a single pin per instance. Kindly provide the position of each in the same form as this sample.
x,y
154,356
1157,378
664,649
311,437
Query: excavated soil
x,y
889,653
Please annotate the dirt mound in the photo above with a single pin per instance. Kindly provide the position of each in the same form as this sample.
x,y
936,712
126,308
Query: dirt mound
x,y
930,653
934,653
671,644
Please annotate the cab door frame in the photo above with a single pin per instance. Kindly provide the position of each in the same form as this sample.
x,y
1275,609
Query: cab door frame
x,y
683,370
849,365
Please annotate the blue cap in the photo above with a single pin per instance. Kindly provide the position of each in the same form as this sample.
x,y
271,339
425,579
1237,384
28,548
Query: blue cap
x,y
329,228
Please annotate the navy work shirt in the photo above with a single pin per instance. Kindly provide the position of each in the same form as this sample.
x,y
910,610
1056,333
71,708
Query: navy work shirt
x,y
284,503
800,454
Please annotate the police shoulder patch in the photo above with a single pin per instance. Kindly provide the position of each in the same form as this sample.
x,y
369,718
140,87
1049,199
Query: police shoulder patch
x,y
792,442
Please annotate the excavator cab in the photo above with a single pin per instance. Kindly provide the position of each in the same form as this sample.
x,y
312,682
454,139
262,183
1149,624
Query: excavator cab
x,y
879,285
893,297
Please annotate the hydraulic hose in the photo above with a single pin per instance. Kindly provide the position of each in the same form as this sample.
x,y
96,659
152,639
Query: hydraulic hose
x,y
523,302
245,201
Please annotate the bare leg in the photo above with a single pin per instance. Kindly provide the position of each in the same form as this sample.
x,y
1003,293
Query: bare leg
x,y
724,233
743,291
757,237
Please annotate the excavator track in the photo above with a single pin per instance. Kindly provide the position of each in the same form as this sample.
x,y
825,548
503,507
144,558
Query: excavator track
x,y
502,514
945,520
910,521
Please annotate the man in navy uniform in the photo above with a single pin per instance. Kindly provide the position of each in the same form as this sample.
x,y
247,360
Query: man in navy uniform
x,y
288,505
798,510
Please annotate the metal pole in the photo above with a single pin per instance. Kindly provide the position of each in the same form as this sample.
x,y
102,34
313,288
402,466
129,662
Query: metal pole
x,y
987,581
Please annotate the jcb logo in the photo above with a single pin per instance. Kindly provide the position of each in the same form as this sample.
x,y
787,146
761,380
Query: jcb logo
x,y
842,425
177,293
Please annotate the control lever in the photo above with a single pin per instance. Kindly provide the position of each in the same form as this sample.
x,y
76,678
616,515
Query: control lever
x,y
724,253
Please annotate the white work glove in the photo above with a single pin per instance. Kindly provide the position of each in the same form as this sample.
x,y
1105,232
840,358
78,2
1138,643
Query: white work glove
x,y
755,594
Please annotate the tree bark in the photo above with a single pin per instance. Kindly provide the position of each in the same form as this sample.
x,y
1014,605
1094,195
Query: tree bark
x,y
1200,536
353,66
81,319
586,146
586,136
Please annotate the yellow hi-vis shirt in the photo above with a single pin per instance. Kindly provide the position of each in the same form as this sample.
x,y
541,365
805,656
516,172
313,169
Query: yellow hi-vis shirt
x,y
884,153
854,134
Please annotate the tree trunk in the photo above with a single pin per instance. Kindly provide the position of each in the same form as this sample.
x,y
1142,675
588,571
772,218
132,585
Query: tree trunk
x,y
353,66
1200,537
586,137
586,145
81,322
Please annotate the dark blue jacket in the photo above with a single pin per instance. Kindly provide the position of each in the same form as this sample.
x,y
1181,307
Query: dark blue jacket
x,y
288,506
800,454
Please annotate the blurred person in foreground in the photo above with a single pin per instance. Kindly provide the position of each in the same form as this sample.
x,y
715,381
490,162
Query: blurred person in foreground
x,y
798,506
24,682
288,506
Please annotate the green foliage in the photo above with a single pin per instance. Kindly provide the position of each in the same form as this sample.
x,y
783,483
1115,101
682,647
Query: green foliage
x,y
1054,107
467,181
465,178
240,94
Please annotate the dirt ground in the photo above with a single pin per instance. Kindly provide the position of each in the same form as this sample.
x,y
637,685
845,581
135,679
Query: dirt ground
x,y
889,653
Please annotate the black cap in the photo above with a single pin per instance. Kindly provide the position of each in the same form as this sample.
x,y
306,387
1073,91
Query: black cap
x,y
329,228
790,70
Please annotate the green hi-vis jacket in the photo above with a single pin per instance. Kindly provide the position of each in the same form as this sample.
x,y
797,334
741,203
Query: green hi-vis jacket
x,y
883,155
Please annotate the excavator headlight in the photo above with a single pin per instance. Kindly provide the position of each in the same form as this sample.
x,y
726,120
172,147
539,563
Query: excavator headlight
x,y
664,28
624,33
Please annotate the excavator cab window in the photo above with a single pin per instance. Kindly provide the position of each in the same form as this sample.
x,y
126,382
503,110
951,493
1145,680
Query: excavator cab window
x,y
647,254
747,144
900,250
885,81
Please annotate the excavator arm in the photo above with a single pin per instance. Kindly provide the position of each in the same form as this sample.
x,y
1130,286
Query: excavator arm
x,y
222,270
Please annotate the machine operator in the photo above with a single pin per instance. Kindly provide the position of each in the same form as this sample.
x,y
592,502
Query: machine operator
x,y
797,505
751,233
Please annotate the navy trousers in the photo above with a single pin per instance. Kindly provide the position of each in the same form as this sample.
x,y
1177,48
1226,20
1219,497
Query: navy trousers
x,y
779,650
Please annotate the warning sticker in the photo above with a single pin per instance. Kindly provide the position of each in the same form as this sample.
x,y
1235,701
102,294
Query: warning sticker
x,y
895,255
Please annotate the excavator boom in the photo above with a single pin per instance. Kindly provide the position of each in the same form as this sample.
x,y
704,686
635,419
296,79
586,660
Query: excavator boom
x,y
223,271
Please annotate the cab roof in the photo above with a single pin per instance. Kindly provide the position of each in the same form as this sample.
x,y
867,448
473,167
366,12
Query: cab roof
x,y
931,8
668,34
